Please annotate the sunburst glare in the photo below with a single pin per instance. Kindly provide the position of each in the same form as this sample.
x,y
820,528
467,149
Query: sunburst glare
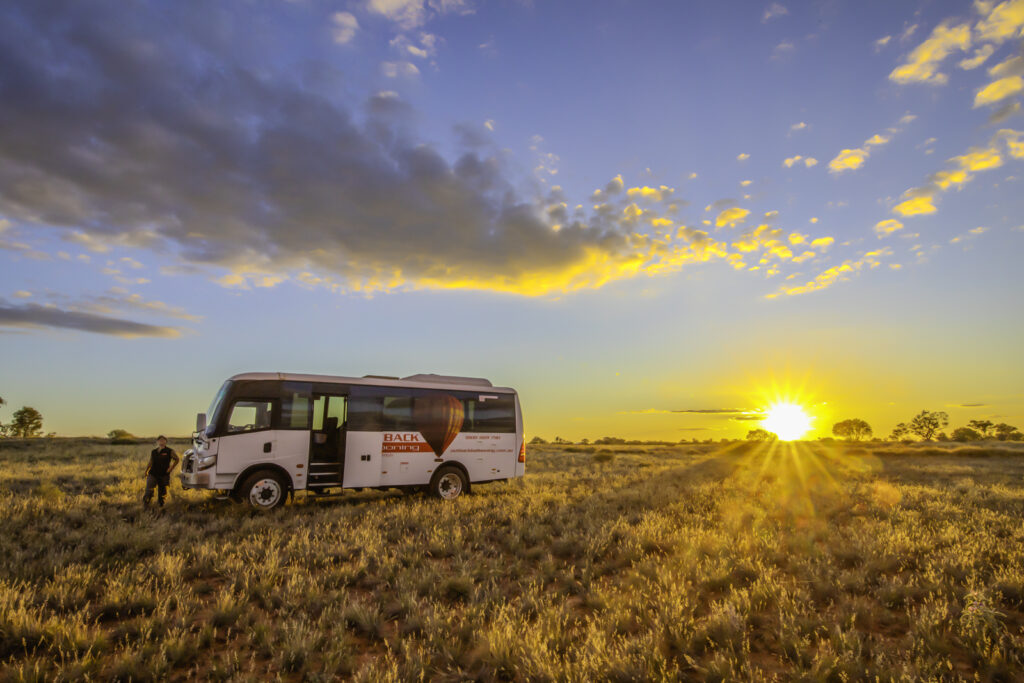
x,y
788,421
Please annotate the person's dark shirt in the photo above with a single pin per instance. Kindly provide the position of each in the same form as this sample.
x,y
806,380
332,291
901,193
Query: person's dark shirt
x,y
160,461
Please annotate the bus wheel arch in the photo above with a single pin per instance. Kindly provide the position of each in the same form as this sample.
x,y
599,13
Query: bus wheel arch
x,y
263,487
441,481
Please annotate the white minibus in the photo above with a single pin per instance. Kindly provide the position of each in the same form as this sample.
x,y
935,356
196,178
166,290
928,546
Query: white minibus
x,y
267,435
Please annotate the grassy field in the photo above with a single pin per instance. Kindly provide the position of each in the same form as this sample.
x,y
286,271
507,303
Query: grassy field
x,y
876,562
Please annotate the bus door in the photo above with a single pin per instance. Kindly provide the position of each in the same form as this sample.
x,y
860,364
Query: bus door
x,y
327,440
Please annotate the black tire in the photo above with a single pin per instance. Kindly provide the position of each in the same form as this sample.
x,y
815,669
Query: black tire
x,y
448,483
263,490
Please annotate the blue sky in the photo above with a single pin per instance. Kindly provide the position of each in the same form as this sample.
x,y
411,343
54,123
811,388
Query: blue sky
x,y
625,210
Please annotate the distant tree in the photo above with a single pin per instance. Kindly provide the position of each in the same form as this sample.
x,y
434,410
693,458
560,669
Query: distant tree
x,y
559,439
855,429
761,435
926,423
942,436
982,426
965,434
26,423
609,441
3,430
120,436
899,432
1005,432
538,441
585,442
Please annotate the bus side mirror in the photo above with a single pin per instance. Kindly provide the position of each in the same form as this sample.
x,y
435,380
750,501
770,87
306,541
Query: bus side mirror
x,y
200,422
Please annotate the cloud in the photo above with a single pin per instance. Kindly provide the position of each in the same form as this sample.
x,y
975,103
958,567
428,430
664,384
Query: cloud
x,y
882,42
970,234
774,11
798,126
847,160
823,242
887,227
731,217
834,274
343,27
396,69
427,46
36,316
922,63
794,160
259,177
876,140
972,405
783,49
715,411
1001,21
406,13
915,206
997,91
980,55
1014,66
742,156
651,193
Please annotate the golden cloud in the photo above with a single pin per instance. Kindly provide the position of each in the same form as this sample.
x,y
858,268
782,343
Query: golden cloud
x,y
996,91
731,217
829,276
887,226
980,55
922,63
1001,22
915,206
848,160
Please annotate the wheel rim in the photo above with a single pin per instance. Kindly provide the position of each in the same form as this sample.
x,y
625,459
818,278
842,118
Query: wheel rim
x,y
449,486
265,493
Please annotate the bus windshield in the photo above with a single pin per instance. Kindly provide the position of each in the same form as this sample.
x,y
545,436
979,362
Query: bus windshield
x,y
211,412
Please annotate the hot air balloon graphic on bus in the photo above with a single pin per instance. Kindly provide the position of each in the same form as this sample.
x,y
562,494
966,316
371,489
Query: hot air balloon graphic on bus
x,y
438,418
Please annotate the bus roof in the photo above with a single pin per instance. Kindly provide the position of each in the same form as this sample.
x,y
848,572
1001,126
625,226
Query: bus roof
x,y
426,381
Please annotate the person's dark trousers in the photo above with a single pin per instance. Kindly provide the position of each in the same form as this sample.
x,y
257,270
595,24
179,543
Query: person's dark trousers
x,y
158,482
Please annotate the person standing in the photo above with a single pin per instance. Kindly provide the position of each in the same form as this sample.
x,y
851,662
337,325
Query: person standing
x,y
162,460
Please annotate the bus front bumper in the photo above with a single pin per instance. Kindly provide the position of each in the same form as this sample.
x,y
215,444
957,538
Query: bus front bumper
x,y
195,480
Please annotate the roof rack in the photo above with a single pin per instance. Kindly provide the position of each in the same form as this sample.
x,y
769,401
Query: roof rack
x,y
447,379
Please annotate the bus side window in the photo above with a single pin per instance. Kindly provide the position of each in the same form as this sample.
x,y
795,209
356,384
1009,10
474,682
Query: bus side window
x,y
364,413
250,416
490,414
295,409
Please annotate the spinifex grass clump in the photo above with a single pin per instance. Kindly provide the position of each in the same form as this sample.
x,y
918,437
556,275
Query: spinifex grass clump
x,y
765,562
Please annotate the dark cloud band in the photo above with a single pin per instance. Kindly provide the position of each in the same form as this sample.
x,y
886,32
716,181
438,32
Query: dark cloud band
x,y
34,315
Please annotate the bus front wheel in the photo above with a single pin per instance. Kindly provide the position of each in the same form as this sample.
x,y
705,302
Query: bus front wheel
x,y
263,490
448,483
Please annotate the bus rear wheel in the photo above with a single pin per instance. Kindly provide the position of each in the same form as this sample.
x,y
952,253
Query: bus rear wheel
x,y
448,483
263,490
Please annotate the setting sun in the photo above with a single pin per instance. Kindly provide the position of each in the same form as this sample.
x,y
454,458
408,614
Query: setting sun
x,y
788,421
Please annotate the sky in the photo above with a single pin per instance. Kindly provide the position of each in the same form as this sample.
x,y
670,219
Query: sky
x,y
651,219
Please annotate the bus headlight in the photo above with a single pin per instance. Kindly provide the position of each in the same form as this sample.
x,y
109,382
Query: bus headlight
x,y
205,462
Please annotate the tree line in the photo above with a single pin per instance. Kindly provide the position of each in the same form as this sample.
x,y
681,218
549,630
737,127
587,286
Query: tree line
x,y
926,426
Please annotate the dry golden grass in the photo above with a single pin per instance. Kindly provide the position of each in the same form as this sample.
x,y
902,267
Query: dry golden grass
x,y
765,562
